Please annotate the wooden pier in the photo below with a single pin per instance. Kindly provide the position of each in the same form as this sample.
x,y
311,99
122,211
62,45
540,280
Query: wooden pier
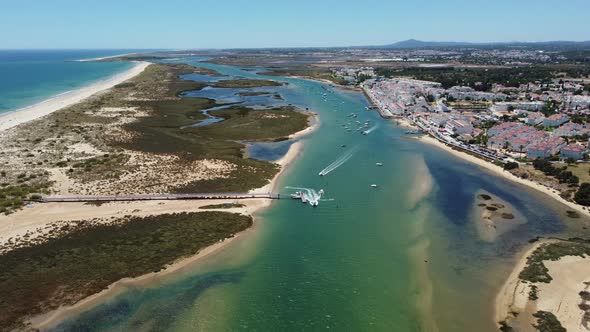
x,y
158,197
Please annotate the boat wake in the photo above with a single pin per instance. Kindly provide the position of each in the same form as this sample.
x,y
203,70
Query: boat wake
x,y
338,162
307,195
370,130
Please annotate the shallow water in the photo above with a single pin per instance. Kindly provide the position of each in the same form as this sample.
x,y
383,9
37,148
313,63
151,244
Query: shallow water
x,y
404,256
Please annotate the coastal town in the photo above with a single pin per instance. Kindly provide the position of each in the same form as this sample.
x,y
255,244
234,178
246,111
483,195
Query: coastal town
x,y
506,124
515,127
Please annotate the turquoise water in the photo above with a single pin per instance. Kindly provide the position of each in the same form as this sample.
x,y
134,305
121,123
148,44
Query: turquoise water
x,y
404,256
30,76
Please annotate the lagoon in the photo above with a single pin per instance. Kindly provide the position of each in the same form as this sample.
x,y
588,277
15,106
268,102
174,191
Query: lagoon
x,y
404,256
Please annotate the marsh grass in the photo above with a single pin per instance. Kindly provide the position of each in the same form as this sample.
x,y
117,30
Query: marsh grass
x,y
84,257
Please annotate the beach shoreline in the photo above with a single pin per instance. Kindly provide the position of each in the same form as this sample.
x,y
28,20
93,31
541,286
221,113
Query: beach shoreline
x,y
105,57
506,297
495,169
499,171
560,296
48,106
313,125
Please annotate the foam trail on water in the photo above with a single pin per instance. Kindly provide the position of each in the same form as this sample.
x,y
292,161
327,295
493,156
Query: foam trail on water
x,y
308,194
368,131
338,162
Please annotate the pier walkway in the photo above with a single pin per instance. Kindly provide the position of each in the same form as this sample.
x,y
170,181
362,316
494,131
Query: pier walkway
x,y
157,197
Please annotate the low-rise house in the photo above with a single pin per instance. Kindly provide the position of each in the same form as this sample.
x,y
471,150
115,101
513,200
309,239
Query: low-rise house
x,y
575,151
439,119
571,129
459,127
502,127
534,119
555,120
519,145
545,148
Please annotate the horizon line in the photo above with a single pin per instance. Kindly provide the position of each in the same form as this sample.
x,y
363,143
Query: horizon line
x,y
290,47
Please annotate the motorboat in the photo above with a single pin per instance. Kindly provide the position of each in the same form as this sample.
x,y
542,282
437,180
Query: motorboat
x,y
297,195
379,164
374,185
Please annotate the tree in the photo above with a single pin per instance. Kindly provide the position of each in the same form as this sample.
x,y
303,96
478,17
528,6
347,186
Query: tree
x,y
506,145
520,147
582,196
510,165
243,111
570,161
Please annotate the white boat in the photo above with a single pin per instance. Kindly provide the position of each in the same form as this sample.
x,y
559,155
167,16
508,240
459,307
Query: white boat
x,y
379,164
296,195
374,185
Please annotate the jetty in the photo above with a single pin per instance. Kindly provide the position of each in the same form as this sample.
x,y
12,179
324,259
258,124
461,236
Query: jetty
x,y
156,197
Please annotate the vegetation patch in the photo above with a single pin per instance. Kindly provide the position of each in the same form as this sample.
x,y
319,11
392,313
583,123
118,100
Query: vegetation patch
x,y
223,206
507,215
547,322
562,174
534,293
254,93
307,72
484,197
17,190
246,124
582,196
166,131
504,327
81,258
573,214
536,271
245,83
105,167
482,79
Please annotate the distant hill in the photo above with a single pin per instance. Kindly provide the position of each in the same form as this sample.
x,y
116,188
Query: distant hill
x,y
413,43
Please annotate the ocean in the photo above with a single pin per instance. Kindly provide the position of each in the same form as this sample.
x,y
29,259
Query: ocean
x,y
31,76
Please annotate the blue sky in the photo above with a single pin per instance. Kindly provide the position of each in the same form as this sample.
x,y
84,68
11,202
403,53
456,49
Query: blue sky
x,y
275,23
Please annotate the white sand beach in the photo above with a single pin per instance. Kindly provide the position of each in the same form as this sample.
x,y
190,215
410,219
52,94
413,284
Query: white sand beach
x,y
314,124
560,296
48,106
105,57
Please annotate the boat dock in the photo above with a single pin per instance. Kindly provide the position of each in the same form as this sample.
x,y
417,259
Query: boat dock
x,y
157,197
374,105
